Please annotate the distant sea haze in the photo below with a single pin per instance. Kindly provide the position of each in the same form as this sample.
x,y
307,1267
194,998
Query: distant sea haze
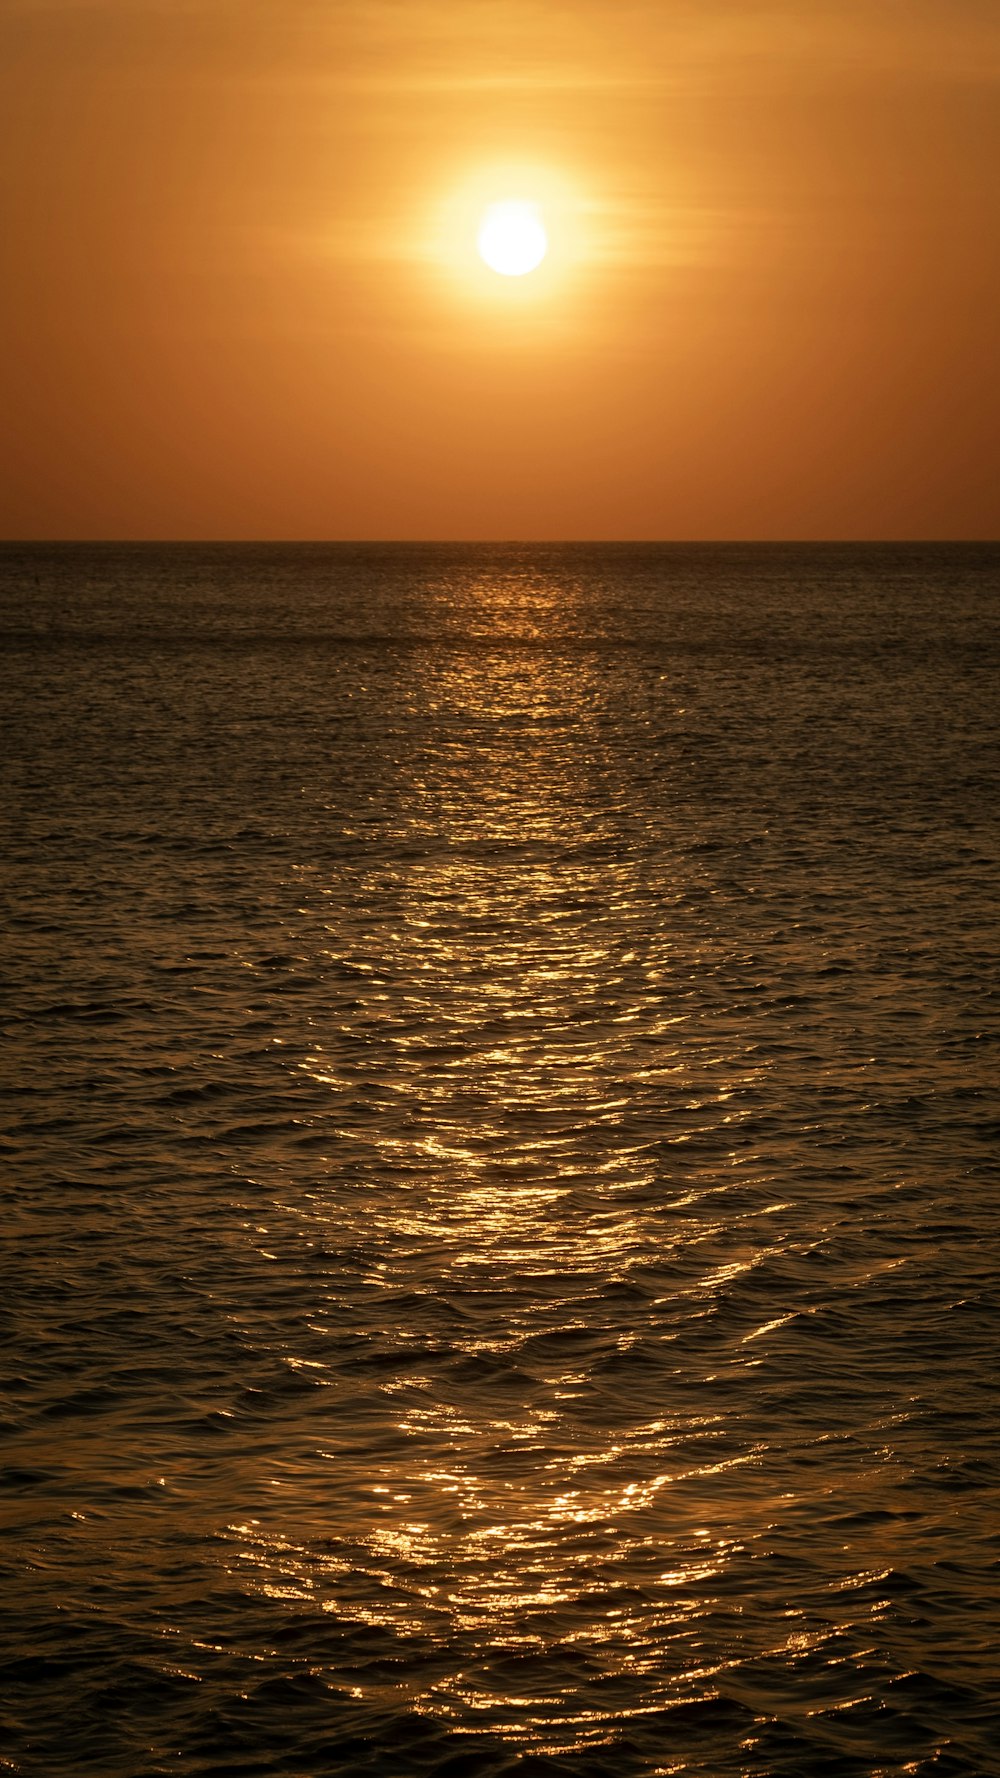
x,y
501,1206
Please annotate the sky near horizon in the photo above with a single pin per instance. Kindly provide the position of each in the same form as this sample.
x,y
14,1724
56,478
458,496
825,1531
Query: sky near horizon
x,y
241,297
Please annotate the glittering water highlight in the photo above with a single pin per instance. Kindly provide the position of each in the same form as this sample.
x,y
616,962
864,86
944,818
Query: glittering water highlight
x,y
501,1207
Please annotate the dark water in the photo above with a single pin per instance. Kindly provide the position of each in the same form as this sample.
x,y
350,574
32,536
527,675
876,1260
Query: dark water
x,y
501,1211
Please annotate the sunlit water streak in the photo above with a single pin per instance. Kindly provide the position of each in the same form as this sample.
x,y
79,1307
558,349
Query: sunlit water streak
x,y
501,1156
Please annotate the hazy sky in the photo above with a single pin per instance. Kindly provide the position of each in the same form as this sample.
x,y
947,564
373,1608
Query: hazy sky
x,y
241,299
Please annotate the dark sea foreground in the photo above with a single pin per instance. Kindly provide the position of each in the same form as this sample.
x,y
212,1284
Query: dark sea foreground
x,y
500,1162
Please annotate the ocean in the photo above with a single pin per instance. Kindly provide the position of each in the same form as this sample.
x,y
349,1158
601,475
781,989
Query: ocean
x,y
501,1214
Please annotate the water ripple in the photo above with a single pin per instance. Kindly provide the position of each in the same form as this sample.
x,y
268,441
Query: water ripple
x,y
503,1229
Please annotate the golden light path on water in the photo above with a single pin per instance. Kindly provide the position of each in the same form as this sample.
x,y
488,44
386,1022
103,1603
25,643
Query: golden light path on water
x,y
558,1477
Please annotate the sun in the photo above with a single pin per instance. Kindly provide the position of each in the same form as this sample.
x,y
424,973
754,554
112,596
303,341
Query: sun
x,y
512,237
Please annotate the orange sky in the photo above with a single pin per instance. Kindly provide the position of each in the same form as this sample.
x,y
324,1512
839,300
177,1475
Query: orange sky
x,y
239,298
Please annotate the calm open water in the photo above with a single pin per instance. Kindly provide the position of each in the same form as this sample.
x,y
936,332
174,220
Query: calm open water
x,y
501,1207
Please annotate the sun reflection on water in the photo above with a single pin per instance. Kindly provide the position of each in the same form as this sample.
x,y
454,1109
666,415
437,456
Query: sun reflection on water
x,y
545,1460
532,1176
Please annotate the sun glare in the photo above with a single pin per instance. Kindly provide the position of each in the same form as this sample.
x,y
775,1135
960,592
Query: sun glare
x,y
512,238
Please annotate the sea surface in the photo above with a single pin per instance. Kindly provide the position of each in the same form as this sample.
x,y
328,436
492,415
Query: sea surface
x,y
500,1162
